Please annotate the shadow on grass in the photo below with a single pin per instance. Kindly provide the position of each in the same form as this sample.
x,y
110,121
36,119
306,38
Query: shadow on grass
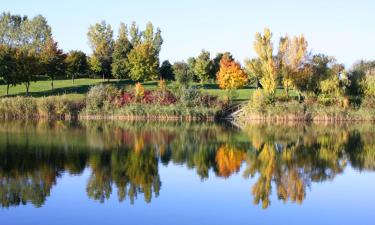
x,y
78,89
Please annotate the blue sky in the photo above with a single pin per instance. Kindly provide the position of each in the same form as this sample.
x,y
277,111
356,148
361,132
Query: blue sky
x,y
342,28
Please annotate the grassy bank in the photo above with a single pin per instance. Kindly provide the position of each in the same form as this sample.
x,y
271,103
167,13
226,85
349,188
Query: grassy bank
x,y
111,102
296,111
78,91
53,107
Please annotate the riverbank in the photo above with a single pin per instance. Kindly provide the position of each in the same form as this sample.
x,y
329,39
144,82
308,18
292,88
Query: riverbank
x,y
302,112
63,108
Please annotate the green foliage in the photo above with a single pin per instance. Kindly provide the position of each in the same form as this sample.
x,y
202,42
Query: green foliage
x,y
143,63
76,64
100,37
202,67
54,106
166,71
52,60
253,70
99,98
8,66
369,85
191,68
27,66
18,108
21,32
95,65
361,79
258,101
181,72
190,97
121,50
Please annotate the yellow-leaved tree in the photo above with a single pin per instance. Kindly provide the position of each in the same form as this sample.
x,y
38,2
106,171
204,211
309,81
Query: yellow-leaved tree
x,y
264,67
230,76
293,58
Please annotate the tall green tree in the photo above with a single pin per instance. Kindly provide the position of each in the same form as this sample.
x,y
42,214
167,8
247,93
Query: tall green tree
x,y
203,66
143,59
27,66
135,34
20,31
191,68
143,63
8,66
254,71
36,33
181,71
11,29
100,37
320,70
166,71
122,47
95,65
52,60
76,64
152,37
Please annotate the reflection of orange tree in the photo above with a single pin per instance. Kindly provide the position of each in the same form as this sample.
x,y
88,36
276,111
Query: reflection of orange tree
x,y
229,160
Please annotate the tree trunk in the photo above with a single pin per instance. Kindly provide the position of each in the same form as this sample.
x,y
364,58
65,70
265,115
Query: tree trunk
x,y
52,83
8,89
73,79
287,90
103,77
27,88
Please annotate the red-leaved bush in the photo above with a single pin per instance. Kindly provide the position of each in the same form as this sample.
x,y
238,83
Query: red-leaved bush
x,y
162,97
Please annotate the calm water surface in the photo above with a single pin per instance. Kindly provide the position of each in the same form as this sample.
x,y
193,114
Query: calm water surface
x,y
168,173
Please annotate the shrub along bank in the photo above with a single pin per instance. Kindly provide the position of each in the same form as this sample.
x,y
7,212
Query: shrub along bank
x,y
109,102
105,101
311,109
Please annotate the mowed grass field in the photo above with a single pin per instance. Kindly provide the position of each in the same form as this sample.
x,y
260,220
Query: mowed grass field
x,y
81,86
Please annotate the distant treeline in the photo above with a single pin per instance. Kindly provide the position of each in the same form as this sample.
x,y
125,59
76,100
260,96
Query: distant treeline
x,y
28,51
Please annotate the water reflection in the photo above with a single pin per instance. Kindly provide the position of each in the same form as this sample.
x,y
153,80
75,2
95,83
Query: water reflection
x,y
126,157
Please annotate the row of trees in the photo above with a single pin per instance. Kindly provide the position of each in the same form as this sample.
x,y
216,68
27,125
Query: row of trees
x,y
27,50
133,55
201,69
293,66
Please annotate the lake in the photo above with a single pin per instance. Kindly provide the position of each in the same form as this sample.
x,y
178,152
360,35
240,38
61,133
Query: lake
x,y
198,173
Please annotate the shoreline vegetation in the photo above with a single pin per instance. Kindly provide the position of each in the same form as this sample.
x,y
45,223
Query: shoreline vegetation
x,y
291,83
106,102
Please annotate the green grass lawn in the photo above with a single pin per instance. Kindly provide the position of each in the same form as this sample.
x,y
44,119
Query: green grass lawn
x,y
81,86
43,88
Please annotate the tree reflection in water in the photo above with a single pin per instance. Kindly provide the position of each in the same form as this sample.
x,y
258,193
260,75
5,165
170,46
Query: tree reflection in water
x,y
127,156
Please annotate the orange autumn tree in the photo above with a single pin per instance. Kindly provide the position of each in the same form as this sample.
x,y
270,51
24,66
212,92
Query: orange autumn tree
x,y
230,76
